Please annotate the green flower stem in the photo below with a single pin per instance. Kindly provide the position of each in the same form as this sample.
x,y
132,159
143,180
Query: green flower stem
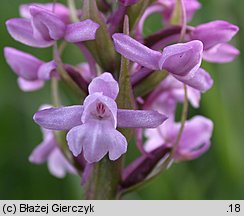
x,y
105,176
102,184
65,76
73,11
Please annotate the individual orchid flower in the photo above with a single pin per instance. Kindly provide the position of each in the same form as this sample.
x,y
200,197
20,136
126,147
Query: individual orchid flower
x,y
181,60
92,127
48,151
59,9
32,72
45,27
194,141
215,37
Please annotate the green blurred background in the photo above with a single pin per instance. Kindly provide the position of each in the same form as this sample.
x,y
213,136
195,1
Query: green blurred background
x,y
219,174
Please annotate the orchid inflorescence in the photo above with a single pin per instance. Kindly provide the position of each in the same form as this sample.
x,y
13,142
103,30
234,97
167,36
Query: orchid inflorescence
x,y
128,88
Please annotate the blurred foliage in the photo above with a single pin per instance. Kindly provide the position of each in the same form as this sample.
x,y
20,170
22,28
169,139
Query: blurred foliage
x,y
219,174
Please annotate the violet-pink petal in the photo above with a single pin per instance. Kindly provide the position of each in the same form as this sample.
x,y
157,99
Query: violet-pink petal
x,y
41,153
106,84
139,118
195,139
95,139
136,52
201,81
21,30
215,32
58,164
46,70
23,64
46,25
81,31
59,9
182,59
28,86
61,118
221,53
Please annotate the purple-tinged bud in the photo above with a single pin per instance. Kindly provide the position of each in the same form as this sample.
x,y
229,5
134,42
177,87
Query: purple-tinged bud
x,y
214,33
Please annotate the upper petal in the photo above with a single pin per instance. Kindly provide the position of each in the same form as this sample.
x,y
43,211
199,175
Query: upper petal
x,y
139,118
81,31
106,84
21,30
62,118
46,25
135,51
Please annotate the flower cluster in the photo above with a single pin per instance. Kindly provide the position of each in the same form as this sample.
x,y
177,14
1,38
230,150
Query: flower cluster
x,y
146,78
